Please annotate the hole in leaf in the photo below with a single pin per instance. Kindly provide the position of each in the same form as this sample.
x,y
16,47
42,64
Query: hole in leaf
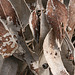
x,y
45,65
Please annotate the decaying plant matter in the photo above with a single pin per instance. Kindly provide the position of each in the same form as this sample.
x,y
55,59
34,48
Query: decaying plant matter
x,y
37,37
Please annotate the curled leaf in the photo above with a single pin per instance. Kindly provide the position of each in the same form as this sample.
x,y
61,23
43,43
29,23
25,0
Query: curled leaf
x,y
15,29
57,17
39,5
22,11
34,25
44,27
52,55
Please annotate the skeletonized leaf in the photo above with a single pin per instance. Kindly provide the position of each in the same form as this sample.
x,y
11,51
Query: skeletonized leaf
x,y
7,43
52,55
16,30
71,21
57,16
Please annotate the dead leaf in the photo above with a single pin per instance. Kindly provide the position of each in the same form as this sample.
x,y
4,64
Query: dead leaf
x,y
57,17
71,21
53,56
8,44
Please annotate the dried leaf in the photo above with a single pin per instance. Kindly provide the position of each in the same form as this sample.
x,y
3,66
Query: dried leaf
x,y
22,10
2,16
44,28
62,1
71,21
65,55
37,67
7,43
16,30
57,17
39,5
9,67
34,25
52,55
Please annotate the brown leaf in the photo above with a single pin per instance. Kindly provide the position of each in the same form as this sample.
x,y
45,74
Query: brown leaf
x,y
1,13
9,11
15,29
57,17
7,43
34,25
71,21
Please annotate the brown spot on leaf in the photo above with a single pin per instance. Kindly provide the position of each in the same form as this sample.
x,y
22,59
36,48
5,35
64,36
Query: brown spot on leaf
x,y
50,53
56,53
46,51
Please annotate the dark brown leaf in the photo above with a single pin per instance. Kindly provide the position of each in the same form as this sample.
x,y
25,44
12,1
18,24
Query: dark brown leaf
x,y
57,17
34,25
1,13
7,43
